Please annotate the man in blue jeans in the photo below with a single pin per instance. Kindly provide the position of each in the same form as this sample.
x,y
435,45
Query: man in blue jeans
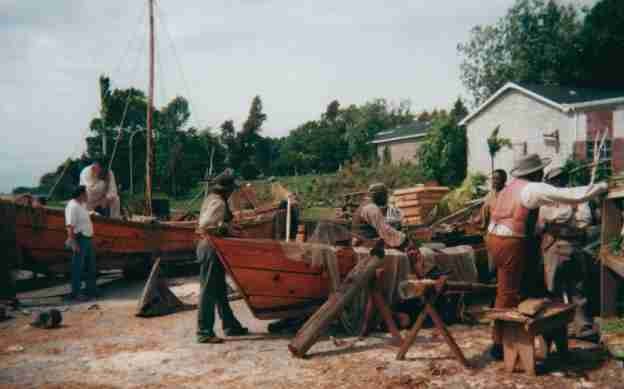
x,y
80,240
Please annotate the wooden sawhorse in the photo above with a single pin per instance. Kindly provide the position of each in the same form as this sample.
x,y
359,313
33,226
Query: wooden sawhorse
x,y
430,290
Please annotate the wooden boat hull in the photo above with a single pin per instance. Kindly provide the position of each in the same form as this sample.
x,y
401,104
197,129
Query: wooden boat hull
x,y
39,236
273,285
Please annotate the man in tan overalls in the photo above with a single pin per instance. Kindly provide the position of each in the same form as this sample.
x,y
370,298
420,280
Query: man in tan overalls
x,y
564,229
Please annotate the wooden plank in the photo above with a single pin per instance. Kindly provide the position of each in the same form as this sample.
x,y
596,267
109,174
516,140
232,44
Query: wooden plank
x,y
415,203
609,283
421,189
613,262
280,283
420,196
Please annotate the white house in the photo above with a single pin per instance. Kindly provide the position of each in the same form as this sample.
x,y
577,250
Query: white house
x,y
553,121
402,142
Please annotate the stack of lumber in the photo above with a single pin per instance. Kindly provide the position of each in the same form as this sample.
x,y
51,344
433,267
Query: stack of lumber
x,y
417,202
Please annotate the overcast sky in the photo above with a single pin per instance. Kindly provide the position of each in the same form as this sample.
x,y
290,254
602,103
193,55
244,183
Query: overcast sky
x,y
298,55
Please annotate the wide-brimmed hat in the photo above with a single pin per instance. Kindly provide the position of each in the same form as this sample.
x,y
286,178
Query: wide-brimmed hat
x,y
226,180
378,187
528,164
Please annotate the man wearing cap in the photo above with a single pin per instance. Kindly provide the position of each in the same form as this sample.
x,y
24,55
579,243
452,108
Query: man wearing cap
x,y
215,219
101,187
370,222
565,229
511,232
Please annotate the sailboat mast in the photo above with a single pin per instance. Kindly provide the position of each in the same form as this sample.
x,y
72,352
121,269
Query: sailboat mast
x,y
150,102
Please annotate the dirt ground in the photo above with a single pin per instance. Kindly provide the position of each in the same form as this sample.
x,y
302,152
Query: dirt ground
x,y
106,346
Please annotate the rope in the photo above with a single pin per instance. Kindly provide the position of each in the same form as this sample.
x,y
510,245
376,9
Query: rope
x,y
163,21
117,67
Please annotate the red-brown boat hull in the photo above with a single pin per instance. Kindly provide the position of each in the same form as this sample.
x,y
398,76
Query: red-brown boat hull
x,y
40,237
273,285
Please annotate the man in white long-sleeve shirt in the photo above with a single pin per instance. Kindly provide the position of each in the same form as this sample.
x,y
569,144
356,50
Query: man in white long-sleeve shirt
x,y
511,233
101,189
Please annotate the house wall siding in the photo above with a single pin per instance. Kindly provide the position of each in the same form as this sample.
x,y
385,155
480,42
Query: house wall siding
x,y
521,119
401,151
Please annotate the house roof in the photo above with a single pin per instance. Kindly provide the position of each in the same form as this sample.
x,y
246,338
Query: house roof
x,y
560,97
412,130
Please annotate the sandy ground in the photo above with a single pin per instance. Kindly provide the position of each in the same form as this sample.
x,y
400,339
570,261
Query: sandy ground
x,y
106,346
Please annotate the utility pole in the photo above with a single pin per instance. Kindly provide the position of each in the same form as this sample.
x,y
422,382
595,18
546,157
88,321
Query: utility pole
x,y
150,101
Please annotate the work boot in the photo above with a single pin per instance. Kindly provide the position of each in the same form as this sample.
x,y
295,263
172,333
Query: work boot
x,y
496,351
209,339
236,331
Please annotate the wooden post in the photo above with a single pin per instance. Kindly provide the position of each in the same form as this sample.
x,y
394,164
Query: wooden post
x,y
359,277
288,218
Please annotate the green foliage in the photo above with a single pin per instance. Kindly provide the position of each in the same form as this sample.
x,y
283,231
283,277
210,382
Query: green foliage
x,y
536,41
496,143
601,39
470,189
442,156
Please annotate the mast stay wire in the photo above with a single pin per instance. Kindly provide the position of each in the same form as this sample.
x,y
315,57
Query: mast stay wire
x,y
135,72
191,98
84,132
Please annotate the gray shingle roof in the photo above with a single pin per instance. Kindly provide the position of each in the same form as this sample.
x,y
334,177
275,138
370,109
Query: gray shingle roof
x,y
405,131
572,95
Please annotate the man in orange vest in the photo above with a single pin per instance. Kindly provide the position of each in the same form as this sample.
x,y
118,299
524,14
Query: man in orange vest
x,y
511,233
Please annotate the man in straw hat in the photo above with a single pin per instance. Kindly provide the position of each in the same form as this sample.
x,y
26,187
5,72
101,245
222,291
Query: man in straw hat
x,y
565,230
370,222
511,233
215,218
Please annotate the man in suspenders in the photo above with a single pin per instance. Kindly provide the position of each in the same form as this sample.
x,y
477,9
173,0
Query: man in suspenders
x,y
511,232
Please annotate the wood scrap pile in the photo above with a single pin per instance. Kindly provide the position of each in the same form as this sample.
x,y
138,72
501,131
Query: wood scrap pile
x,y
417,202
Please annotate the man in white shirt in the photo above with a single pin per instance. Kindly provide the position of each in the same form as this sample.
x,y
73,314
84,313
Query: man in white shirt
x,y
80,240
215,219
511,233
101,189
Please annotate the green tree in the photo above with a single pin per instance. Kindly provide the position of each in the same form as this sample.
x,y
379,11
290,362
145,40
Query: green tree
x,y
228,140
249,139
442,156
536,42
495,144
602,42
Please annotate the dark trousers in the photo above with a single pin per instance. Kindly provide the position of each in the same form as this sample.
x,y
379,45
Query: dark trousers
x,y
83,260
213,292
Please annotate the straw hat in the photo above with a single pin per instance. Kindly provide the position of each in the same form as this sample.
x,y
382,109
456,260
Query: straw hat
x,y
528,164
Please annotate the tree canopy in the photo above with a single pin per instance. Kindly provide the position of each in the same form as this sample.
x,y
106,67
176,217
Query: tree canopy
x,y
546,42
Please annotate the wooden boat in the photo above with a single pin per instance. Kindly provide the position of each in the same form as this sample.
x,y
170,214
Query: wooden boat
x,y
273,284
38,234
